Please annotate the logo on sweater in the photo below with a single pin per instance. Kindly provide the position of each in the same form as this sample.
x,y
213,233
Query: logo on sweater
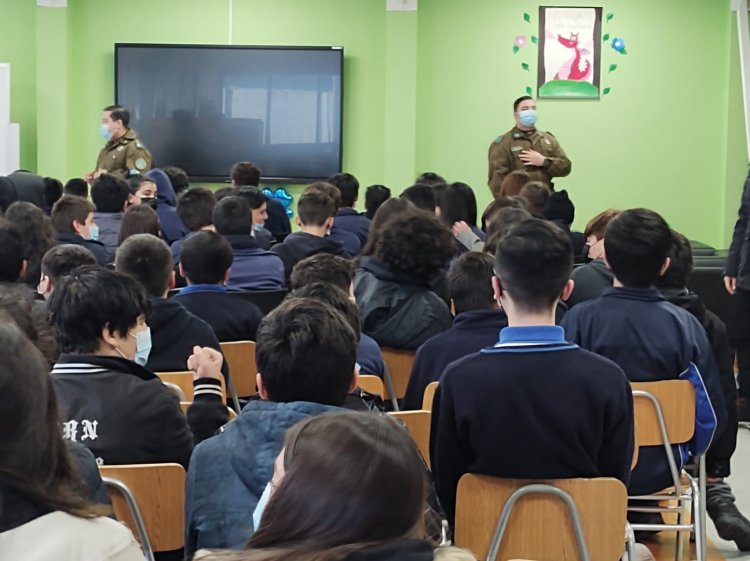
x,y
70,430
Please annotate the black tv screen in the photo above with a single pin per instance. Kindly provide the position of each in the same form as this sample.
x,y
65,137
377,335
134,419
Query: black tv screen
x,y
204,108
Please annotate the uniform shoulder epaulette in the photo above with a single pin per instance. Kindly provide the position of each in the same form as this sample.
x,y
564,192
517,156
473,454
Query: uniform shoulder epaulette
x,y
138,144
549,133
499,138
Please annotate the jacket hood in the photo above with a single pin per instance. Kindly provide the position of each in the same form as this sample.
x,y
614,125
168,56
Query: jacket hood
x,y
300,245
600,267
164,191
686,300
29,187
163,312
241,241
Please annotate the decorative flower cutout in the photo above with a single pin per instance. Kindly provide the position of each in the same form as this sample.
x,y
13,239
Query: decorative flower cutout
x,y
618,45
521,41
282,196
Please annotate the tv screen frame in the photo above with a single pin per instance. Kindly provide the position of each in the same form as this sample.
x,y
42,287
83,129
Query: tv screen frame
x,y
265,179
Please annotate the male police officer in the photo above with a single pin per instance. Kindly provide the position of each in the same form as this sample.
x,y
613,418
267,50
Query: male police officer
x,y
123,155
525,148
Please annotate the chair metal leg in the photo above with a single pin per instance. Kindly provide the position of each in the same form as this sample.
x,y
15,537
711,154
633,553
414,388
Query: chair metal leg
x,y
680,536
233,395
702,504
135,512
630,542
699,522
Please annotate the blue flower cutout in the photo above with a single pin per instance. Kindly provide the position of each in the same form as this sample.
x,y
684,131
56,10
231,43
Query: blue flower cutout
x,y
618,44
282,196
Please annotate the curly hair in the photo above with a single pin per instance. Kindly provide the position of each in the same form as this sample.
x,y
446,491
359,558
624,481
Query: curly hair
x,y
415,242
37,233
17,301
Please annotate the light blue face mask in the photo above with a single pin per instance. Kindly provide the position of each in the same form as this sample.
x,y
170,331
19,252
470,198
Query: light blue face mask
x,y
258,512
257,228
142,346
527,117
93,232
104,132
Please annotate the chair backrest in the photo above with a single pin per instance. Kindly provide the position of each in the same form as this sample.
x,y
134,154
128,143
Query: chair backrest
x,y
418,425
677,400
371,384
266,300
429,395
240,357
185,405
159,491
184,381
540,526
399,363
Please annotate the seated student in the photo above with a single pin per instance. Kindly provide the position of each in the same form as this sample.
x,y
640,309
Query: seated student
x,y
478,320
649,338
253,268
338,272
720,502
109,401
73,220
247,174
142,191
394,286
593,278
349,240
171,225
528,383
41,494
315,211
173,330
139,219
59,262
206,261
76,187
178,178
536,194
512,184
13,264
431,178
259,209
375,196
37,235
110,195
502,222
347,218
305,356
195,208
53,190
560,210
422,196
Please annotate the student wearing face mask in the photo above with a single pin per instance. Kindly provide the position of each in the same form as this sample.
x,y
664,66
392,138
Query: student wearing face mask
x,y
73,219
142,191
259,211
123,155
109,402
525,148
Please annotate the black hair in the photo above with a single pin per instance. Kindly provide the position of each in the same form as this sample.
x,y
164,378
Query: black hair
x,y
62,259
135,181
11,251
470,201
253,196
77,187
109,193
119,113
375,195
195,208
454,206
560,207
503,220
336,298
636,243
90,299
680,263
520,100
323,267
315,207
205,257
348,186
470,282
53,190
431,178
37,236
147,259
178,178
232,216
306,351
533,262
421,195
245,173
224,192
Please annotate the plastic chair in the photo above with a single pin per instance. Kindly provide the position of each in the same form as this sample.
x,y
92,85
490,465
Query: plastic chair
x,y
371,384
240,357
398,365
429,395
266,300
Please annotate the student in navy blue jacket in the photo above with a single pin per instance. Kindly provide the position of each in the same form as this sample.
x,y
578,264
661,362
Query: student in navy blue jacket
x,y
253,268
347,218
73,219
171,225
206,262
533,406
195,208
349,240
477,323
633,325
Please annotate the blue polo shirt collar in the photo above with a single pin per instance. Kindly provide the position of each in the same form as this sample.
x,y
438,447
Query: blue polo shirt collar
x,y
534,335
203,288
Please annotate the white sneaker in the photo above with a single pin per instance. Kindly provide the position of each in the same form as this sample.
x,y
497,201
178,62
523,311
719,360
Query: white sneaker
x,y
642,553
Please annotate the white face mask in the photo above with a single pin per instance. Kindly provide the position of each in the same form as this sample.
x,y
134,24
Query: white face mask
x,y
258,512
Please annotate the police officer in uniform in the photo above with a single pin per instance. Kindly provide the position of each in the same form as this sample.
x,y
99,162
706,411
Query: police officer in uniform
x,y
123,155
525,148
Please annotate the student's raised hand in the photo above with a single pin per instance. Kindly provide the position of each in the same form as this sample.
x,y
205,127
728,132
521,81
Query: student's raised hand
x,y
205,362
730,283
460,227
89,177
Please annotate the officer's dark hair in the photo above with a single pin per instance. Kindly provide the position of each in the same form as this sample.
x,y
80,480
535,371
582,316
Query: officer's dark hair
x,y
315,207
431,178
536,194
519,101
245,173
178,178
348,186
11,251
89,299
195,208
232,216
77,187
138,219
680,263
375,195
470,282
224,192
253,196
109,193
502,222
636,243
306,351
337,299
329,190
70,208
421,195
323,267
119,113
147,259
205,257
53,190
533,262
61,260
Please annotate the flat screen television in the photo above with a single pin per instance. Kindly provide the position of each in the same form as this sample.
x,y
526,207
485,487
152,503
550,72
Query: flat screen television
x,y
204,107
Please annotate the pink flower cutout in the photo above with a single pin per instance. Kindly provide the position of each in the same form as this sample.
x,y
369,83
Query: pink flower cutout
x,y
521,41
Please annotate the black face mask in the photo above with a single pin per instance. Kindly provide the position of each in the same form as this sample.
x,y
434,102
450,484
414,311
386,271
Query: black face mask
x,y
585,253
150,201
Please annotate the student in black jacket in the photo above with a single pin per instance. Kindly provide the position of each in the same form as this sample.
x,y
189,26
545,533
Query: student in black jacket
x,y
174,330
73,219
533,406
205,262
109,401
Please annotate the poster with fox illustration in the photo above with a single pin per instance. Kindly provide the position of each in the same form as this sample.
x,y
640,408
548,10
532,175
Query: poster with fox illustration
x,y
569,52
